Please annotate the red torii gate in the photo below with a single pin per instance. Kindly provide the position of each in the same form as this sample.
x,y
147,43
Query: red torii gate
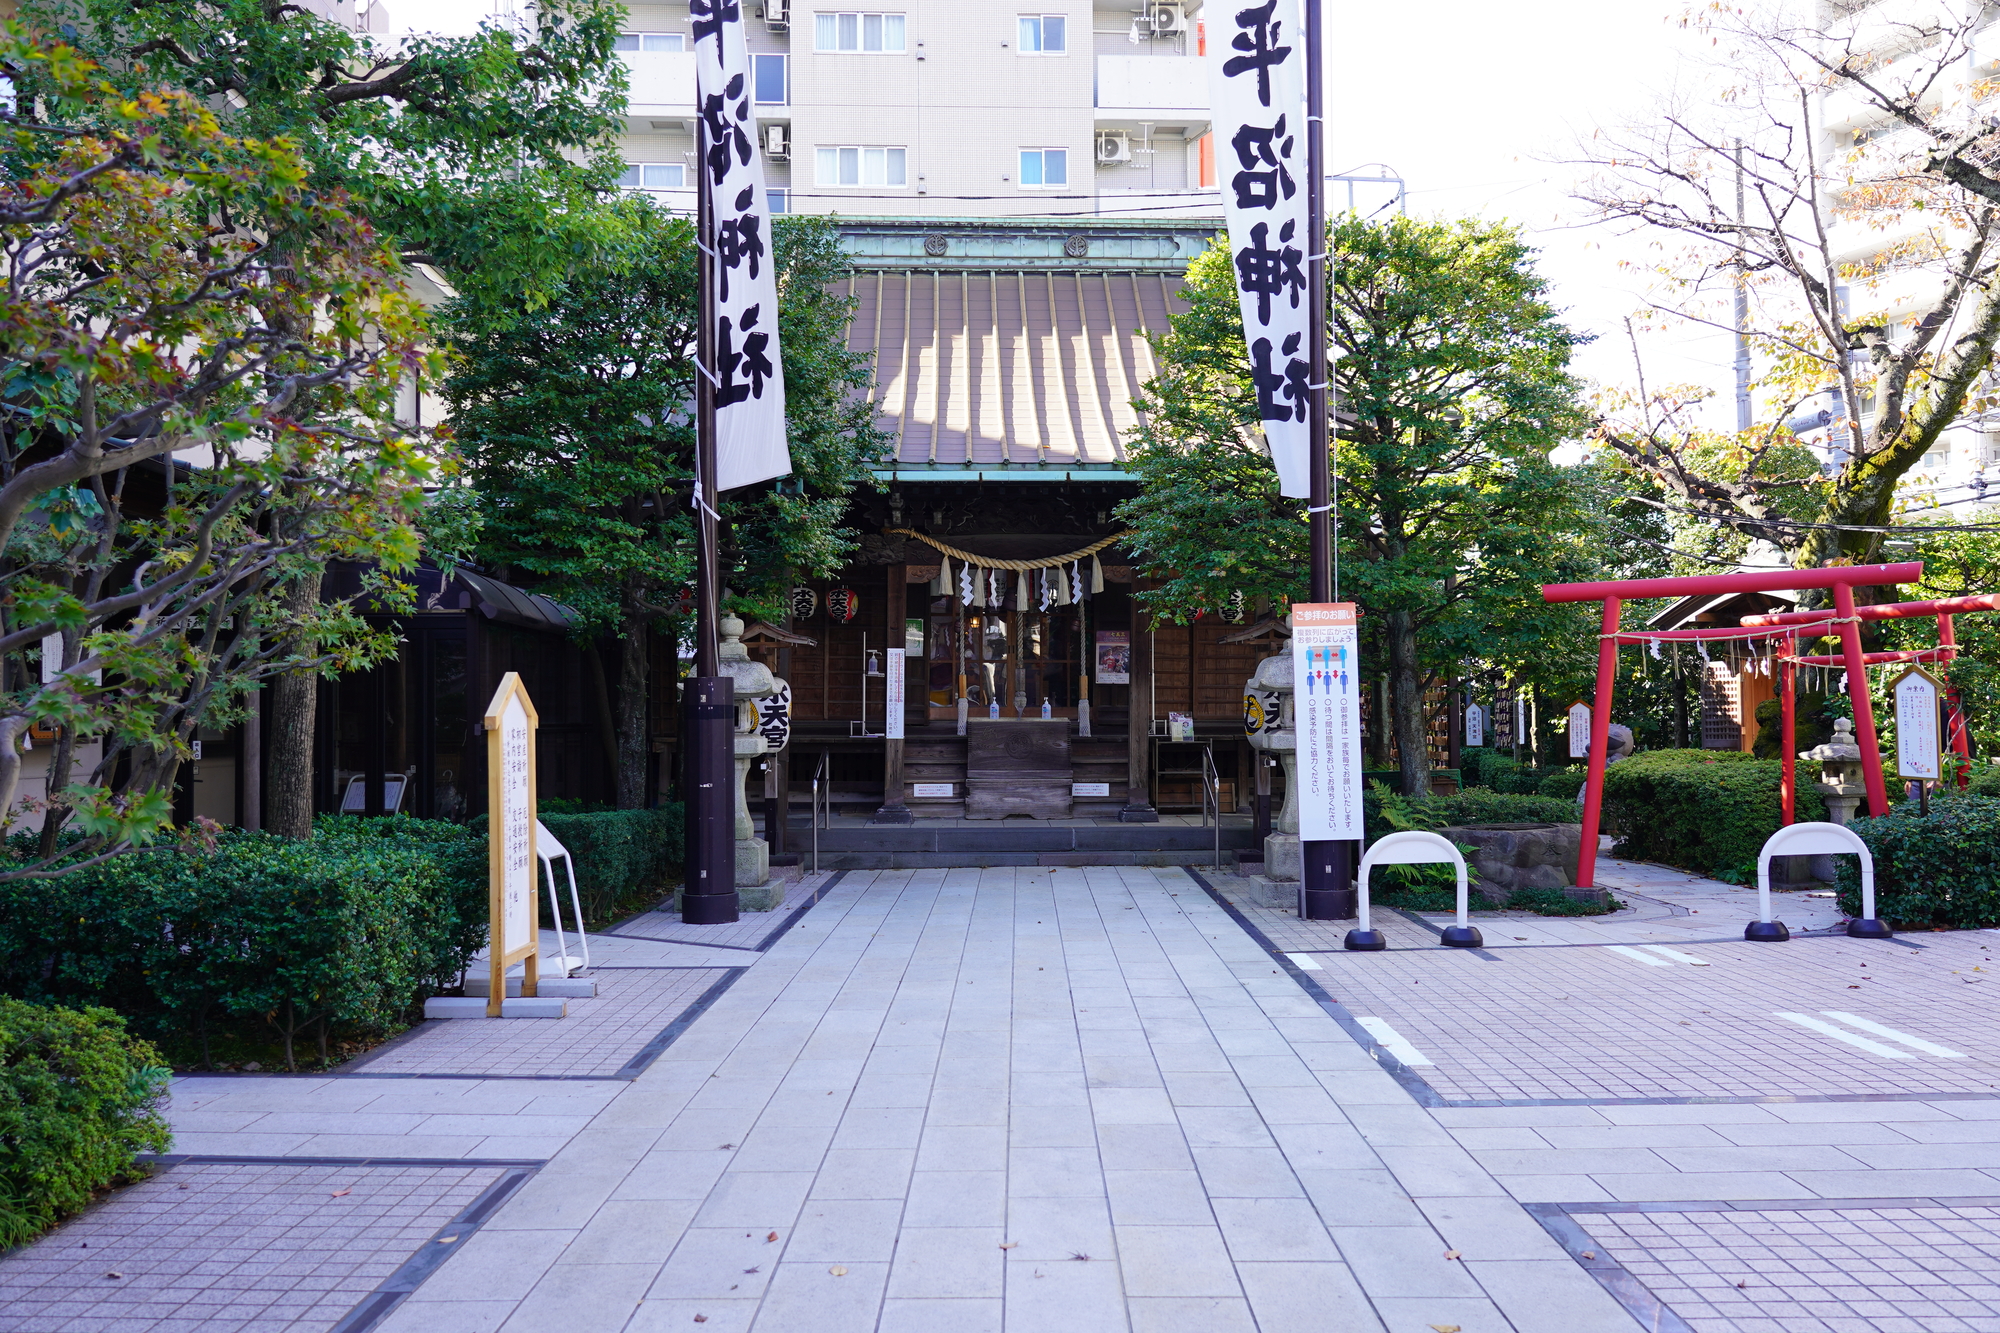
x,y
1841,579
1946,651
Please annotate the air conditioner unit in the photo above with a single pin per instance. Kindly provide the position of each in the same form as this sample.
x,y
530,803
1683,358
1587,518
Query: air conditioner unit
x,y
1166,18
1113,146
778,143
777,14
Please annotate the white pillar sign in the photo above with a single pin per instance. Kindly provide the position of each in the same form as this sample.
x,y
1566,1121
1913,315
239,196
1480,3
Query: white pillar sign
x,y
1579,730
893,687
1475,725
510,804
1326,703
1918,753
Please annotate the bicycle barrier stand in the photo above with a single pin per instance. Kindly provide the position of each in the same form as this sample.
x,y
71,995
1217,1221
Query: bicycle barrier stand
x,y
1413,848
1815,839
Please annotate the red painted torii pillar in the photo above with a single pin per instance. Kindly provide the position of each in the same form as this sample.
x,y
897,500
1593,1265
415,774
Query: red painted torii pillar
x,y
1842,579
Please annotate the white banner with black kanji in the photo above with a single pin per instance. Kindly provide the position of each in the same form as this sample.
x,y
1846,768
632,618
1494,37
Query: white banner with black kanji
x,y
1256,81
748,375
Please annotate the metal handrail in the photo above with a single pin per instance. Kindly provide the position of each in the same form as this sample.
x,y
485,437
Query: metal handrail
x,y
822,782
1211,793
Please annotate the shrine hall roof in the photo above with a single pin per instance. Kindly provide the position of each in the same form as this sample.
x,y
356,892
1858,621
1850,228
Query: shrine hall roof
x,y
997,374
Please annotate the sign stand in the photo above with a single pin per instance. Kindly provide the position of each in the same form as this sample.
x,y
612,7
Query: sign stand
x,y
1326,707
1918,699
515,935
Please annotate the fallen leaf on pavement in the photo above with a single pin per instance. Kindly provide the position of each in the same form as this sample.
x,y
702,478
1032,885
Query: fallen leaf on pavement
x,y
701,1319
1453,1254
114,1275
1590,1254
772,1236
749,1270
1081,1258
1008,1245
838,1270
1445,1328
339,1193
724,1147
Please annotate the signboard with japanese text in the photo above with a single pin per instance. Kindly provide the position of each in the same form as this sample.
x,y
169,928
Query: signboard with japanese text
x,y
1579,730
1326,713
1256,88
1919,700
894,687
1114,657
514,933
748,375
1475,725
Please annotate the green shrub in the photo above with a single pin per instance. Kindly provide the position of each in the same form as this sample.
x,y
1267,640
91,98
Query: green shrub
x,y
1554,902
1985,779
621,855
1562,782
1938,871
1708,811
78,1101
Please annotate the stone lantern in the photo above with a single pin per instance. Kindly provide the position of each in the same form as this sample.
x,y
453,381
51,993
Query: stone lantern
x,y
1840,772
1270,730
756,890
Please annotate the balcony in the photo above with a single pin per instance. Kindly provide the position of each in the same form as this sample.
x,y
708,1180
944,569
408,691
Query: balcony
x,y
1160,89
662,84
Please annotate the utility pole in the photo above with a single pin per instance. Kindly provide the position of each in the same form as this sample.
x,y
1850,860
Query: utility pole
x,y
1327,868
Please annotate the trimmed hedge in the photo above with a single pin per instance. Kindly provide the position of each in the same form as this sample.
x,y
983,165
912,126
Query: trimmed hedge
x,y
1985,780
1708,811
79,1100
1938,871
1563,783
619,853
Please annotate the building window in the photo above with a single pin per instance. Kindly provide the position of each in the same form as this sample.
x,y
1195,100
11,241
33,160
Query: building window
x,y
1044,35
1044,166
860,166
858,32
778,201
649,43
768,82
653,176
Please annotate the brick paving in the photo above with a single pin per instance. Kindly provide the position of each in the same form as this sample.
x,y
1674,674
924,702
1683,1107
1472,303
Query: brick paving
x,y
597,1037
206,1248
1929,1268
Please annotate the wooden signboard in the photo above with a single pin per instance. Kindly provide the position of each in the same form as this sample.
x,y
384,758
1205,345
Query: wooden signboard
x,y
510,805
1475,725
1918,698
1579,730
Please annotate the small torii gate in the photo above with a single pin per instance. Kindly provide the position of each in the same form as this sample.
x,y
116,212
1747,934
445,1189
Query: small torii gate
x,y
1614,593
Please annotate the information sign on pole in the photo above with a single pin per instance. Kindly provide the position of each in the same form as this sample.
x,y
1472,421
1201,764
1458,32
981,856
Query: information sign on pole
x,y
1918,697
1326,700
514,934
1475,725
892,695
1579,730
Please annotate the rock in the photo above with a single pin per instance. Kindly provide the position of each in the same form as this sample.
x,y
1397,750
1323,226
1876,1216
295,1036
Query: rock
x,y
1506,857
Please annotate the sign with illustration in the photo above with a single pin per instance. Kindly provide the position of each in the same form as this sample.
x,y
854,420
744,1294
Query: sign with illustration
x,y
1326,713
1114,657
1919,699
514,934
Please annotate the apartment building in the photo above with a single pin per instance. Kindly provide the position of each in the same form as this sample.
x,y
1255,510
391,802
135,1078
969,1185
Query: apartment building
x,y
938,108
1904,36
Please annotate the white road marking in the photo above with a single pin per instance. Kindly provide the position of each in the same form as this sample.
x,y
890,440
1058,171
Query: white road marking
x,y
1842,1034
1393,1041
1914,1043
1630,952
1676,955
1306,961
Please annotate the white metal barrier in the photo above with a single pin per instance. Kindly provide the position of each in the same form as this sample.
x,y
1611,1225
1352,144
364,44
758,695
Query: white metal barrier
x,y
1815,839
548,851
1413,848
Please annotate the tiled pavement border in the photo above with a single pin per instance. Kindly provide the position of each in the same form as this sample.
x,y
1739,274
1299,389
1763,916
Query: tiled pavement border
x,y
1425,1095
1633,1294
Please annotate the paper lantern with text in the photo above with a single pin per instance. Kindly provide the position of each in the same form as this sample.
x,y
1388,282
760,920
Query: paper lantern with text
x,y
842,604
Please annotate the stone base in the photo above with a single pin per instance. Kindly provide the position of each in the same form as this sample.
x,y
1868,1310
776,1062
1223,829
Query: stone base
x,y
1268,892
1506,857
1283,857
452,1006
765,897
753,863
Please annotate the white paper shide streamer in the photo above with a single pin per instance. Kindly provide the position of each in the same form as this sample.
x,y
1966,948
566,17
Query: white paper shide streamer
x,y
1256,83
750,443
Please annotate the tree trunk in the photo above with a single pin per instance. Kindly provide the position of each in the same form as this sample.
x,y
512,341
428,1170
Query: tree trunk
x,y
633,741
1406,707
294,714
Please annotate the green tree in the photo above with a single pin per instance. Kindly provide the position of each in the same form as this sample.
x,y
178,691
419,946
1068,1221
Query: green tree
x,y
133,327
1452,387
576,425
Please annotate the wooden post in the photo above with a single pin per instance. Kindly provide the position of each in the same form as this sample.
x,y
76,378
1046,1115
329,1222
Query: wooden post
x,y
514,931
1139,723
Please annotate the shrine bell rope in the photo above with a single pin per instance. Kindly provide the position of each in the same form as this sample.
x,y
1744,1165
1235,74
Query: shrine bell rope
x,y
995,562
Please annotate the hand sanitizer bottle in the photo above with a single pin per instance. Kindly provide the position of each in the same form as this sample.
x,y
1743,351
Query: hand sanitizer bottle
x,y
1047,712
993,709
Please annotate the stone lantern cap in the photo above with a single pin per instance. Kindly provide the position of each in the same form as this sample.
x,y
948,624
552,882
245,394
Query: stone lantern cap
x,y
753,679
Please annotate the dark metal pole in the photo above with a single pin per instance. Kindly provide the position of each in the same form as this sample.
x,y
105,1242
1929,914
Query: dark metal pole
x,y
709,895
1327,867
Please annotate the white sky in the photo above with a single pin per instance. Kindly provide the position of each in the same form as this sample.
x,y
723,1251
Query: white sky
x,y
1466,99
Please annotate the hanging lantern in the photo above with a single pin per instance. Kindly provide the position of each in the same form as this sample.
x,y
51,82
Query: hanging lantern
x,y
842,603
804,602
1232,608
